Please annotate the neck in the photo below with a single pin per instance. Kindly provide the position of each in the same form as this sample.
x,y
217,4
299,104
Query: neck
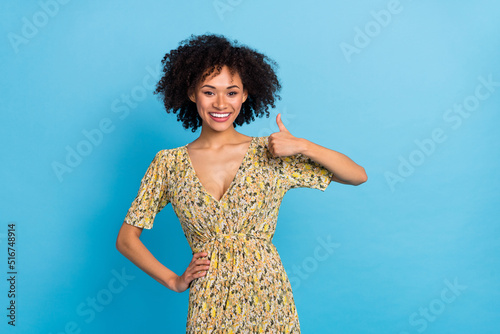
x,y
211,138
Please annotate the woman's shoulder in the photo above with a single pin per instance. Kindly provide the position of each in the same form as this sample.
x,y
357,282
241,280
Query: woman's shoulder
x,y
169,153
261,149
261,141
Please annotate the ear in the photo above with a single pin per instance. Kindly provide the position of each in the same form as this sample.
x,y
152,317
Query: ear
x,y
192,95
245,95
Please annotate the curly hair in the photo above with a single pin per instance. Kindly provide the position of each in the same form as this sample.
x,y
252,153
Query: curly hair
x,y
198,57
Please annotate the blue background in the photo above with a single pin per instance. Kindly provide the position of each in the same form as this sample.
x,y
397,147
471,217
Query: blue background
x,y
383,92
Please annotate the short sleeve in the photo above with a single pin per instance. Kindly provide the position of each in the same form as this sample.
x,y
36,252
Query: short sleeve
x,y
300,171
152,196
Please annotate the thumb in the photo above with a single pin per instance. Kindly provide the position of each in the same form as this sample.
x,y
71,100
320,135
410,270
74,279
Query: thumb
x,y
281,126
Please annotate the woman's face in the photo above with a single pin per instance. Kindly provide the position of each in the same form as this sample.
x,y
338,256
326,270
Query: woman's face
x,y
219,99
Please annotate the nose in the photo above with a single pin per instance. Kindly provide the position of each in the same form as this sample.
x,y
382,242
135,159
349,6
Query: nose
x,y
220,102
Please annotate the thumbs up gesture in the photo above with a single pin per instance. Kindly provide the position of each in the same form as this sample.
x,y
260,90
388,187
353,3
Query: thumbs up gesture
x,y
283,143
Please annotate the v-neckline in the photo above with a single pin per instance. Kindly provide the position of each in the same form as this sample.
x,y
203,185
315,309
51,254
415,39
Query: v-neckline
x,y
190,163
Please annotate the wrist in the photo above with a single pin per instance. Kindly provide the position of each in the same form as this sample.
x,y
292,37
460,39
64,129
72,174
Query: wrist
x,y
304,146
172,283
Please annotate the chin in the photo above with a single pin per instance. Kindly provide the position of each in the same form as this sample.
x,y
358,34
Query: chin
x,y
221,127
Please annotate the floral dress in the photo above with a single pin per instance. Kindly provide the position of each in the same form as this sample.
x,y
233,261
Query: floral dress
x,y
246,288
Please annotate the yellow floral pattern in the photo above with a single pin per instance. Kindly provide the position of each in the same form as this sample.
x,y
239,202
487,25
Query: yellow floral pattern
x,y
246,289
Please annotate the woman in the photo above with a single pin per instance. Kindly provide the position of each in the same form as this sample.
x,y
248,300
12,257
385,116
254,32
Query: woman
x,y
226,189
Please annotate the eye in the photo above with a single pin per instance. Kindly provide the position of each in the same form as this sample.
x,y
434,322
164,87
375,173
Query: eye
x,y
208,93
233,93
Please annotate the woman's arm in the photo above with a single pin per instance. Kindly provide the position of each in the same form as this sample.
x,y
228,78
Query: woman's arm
x,y
129,244
343,168
346,171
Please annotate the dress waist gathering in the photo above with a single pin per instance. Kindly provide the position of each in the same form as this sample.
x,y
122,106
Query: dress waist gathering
x,y
223,238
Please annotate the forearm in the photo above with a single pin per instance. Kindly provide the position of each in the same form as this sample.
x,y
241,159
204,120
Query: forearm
x,y
134,250
343,168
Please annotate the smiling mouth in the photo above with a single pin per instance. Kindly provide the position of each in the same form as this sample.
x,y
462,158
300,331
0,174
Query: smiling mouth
x,y
219,115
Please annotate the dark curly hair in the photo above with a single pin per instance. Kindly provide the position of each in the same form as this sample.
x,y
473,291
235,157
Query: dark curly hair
x,y
198,57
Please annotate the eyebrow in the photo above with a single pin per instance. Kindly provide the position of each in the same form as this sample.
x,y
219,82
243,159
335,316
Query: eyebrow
x,y
233,86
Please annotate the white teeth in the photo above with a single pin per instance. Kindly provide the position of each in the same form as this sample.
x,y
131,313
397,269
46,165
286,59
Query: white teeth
x,y
219,115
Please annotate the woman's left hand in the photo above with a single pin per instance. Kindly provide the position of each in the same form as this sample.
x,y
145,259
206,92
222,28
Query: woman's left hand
x,y
283,143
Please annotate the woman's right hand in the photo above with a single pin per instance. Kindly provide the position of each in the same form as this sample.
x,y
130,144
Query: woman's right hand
x,y
197,268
